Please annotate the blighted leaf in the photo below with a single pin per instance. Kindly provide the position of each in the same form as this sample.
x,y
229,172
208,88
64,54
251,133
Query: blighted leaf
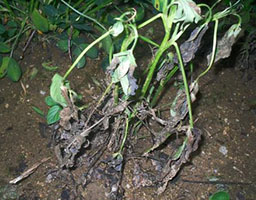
x,y
122,70
62,45
221,195
49,101
125,84
53,114
187,11
38,111
55,90
40,22
4,48
224,45
78,50
13,70
117,28
189,48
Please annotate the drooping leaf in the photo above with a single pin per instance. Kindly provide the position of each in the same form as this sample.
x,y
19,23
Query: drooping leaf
x,y
125,84
13,70
55,90
53,114
224,45
118,28
40,22
221,195
63,45
122,70
49,101
38,111
187,11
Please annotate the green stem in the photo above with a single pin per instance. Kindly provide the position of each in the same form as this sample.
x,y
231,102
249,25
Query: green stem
x,y
124,139
213,50
162,84
153,65
85,16
148,40
85,51
150,20
23,23
185,84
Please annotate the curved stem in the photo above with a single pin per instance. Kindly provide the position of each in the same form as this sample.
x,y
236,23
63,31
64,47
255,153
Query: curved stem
x,y
213,50
84,52
185,84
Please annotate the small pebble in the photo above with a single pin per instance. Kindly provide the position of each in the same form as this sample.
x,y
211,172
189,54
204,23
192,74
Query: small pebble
x,y
42,92
223,150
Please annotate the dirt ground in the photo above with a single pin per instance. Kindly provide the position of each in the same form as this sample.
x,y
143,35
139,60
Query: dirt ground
x,y
224,111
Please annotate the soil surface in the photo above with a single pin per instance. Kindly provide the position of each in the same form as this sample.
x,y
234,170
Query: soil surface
x,y
224,111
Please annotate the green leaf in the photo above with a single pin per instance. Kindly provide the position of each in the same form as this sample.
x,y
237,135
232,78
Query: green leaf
x,y
50,11
78,50
3,66
4,48
2,29
105,63
49,101
38,111
221,195
55,90
13,70
159,4
12,24
63,45
82,27
48,66
53,114
92,52
40,22
11,32
107,43
140,13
